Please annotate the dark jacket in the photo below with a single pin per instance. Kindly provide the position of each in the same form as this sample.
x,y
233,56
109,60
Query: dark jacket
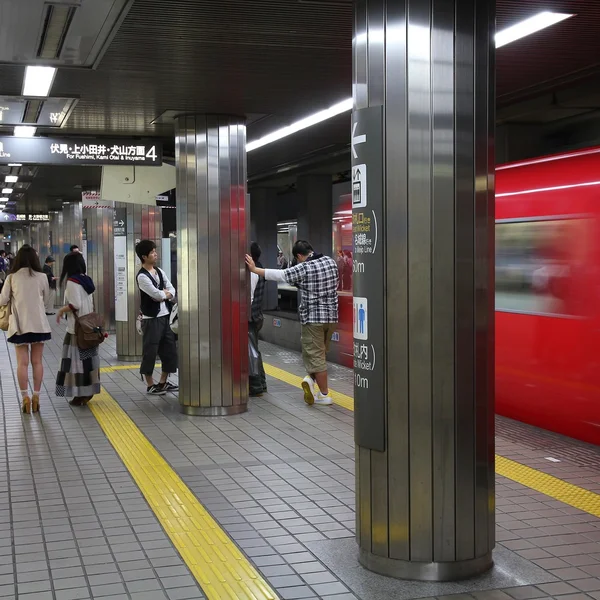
x,y
50,275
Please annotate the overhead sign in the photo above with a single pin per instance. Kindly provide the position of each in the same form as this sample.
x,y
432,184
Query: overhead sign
x,y
62,151
368,276
120,249
53,112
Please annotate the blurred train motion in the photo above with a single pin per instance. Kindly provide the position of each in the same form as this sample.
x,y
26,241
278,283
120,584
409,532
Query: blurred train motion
x,y
548,293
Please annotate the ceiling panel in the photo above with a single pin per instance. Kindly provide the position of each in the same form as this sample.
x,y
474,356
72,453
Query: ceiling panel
x,y
276,60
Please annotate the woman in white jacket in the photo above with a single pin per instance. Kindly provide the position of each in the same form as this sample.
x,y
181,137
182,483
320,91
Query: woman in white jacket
x,y
79,374
26,288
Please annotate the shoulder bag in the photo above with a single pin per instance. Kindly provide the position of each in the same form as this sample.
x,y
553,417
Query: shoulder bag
x,y
89,330
6,310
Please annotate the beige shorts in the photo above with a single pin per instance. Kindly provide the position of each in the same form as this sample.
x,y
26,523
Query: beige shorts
x,y
315,345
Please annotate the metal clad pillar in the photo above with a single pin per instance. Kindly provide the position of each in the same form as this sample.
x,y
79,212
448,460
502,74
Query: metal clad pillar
x,y
141,222
211,243
72,222
423,219
98,226
39,239
263,202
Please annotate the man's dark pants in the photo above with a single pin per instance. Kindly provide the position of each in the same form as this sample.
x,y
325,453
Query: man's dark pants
x,y
158,340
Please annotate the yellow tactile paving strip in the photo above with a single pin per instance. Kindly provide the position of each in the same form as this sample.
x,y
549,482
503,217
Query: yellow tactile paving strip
x,y
340,399
215,561
220,568
556,488
549,485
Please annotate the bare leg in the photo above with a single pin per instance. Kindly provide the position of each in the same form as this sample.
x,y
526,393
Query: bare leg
x,y
321,379
22,367
149,380
37,350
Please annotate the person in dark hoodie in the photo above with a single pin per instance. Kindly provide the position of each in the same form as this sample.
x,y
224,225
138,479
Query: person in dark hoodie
x,y
79,374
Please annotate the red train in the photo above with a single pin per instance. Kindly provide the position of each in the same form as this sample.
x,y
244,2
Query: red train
x,y
548,293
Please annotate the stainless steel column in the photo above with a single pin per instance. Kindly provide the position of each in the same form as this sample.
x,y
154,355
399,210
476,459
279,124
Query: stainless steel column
x,y
72,224
211,243
315,211
422,126
142,222
39,239
98,225
263,202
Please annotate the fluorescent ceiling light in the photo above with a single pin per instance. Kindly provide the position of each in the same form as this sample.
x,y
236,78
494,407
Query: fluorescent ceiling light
x,y
11,179
504,37
7,191
529,26
38,81
24,131
15,164
323,115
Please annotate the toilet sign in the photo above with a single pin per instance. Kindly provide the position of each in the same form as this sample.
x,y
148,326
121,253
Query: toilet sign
x,y
368,269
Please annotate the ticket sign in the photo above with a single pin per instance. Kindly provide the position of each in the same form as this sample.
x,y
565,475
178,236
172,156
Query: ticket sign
x,y
368,277
63,151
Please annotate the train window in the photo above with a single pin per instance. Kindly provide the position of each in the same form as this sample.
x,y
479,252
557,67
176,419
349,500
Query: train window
x,y
539,264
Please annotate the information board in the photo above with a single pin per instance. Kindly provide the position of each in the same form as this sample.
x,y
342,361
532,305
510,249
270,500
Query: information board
x,y
64,151
368,277
120,234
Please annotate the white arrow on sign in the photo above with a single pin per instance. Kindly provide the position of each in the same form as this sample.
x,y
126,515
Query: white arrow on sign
x,y
357,139
121,223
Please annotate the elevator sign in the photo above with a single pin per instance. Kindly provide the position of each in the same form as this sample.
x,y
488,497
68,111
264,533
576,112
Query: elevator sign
x,y
368,267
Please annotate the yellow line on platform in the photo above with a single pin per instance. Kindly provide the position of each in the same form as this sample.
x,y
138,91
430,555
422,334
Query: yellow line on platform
x,y
551,486
220,568
340,399
556,488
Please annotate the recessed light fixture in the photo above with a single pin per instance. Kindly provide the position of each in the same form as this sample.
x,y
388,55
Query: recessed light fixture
x,y
7,191
15,164
529,26
11,179
504,37
38,81
322,115
24,131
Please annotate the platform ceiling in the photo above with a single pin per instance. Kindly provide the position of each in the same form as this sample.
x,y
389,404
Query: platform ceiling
x,y
273,61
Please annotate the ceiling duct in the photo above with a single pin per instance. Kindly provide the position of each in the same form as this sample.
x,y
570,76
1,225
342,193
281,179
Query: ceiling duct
x,y
57,20
32,111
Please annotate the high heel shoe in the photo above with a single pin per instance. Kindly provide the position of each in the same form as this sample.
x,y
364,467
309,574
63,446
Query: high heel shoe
x,y
35,403
27,405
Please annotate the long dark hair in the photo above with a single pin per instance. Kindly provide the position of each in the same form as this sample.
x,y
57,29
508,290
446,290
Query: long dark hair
x,y
27,258
73,264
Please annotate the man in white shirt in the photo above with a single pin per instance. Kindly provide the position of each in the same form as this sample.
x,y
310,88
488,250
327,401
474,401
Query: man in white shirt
x,y
156,294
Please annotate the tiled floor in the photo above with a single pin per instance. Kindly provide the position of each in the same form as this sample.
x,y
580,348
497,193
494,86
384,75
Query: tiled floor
x,y
278,479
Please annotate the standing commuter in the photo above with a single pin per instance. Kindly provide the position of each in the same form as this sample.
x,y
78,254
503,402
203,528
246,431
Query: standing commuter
x,y
258,381
51,284
3,266
157,294
79,374
318,277
26,289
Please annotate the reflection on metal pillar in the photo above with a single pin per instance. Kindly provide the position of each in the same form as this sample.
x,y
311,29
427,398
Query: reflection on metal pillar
x,y
39,233
423,217
71,226
139,222
98,231
211,243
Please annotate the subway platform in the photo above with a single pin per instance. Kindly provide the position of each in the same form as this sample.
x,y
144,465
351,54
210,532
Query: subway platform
x,y
129,499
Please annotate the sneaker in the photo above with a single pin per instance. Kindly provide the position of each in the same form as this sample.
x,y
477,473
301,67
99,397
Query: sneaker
x,y
308,385
170,387
323,400
156,390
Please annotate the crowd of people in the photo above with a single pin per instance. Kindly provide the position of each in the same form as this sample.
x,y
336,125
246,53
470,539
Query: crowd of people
x,y
28,296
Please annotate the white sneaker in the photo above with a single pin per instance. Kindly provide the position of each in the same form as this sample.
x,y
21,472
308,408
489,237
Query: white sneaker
x,y
323,400
308,385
